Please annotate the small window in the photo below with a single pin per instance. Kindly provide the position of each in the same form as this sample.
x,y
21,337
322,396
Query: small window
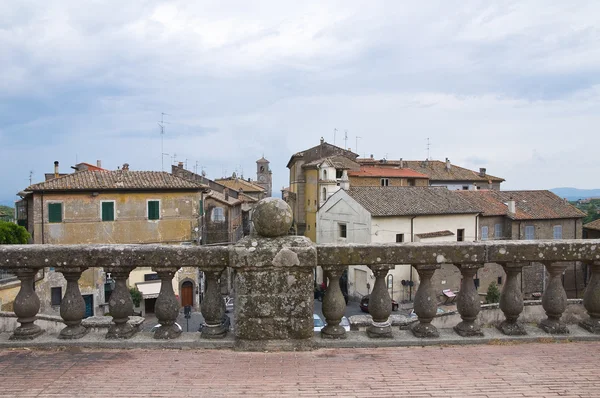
x,y
153,210
499,280
108,211
484,233
460,235
217,215
399,238
324,194
465,187
151,277
385,182
324,174
411,182
558,232
529,232
339,173
498,231
54,212
343,231
56,295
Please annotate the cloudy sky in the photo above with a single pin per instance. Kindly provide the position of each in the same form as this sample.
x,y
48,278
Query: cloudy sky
x,y
512,87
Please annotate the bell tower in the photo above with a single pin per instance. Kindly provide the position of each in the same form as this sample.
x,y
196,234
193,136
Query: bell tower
x,y
264,176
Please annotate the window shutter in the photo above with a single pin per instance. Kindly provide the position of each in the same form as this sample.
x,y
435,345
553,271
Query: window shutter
x,y
153,210
54,212
108,211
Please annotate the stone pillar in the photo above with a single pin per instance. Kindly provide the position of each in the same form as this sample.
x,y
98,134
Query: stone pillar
x,y
72,306
120,306
468,304
213,306
26,306
380,304
167,306
334,305
591,300
554,300
511,301
425,302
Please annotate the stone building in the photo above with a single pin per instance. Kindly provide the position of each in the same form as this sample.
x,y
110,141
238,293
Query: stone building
x,y
264,176
247,187
376,176
592,230
101,206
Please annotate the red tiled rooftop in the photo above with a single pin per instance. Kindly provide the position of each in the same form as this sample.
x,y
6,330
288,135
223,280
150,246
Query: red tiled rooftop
x,y
373,171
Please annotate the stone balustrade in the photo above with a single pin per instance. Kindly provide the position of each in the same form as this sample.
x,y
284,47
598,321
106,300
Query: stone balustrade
x,y
274,283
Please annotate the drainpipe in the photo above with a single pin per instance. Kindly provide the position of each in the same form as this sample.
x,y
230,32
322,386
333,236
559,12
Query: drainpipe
x,y
42,218
412,239
477,226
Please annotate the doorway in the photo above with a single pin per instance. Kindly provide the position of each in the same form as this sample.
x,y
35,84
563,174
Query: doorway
x,y
89,305
187,294
149,305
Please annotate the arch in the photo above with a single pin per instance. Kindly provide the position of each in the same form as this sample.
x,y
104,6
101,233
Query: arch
x,y
186,292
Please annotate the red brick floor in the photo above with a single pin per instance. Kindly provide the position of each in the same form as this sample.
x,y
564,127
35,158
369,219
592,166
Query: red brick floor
x,y
516,370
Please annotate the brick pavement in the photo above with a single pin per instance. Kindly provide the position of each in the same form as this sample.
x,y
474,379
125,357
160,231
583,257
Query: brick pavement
x,y
508,370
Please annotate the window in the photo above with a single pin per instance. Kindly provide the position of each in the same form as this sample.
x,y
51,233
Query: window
x,y
529,232
217,215
107,211
558,232
151,277
56,295
324,174
399,238
499,280
498,231
411,182
153,209
460,235
339,173
343,231
324,198
484,233
54,212
465,187
385,182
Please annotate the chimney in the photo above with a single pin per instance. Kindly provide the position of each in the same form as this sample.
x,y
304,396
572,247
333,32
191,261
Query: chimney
x,y
322,140
226,193
55,168
482,171
125,166
512,206
401,163
371,156
448,165
344,182
99,163
180,165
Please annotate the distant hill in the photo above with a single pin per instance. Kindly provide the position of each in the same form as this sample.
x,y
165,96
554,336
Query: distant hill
x,y
575,194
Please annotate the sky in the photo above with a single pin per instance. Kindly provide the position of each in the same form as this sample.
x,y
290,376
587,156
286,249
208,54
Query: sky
x,y
513,86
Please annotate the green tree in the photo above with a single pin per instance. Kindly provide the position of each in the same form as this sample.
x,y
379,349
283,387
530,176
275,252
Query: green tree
x,y
136,296
493,294
11,234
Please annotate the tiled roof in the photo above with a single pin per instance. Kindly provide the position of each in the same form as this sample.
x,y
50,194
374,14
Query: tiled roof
x,y
221,198
237,183
407,201
246,198
593,225
115,180
530,205
262,160
339,162
436,234
376,171
321,151
436,170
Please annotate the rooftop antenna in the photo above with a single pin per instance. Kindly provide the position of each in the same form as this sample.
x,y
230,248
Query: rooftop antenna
x,y
356,148
174,157
186,164
162,139
345,139
334,133
196,168
428,147
30,176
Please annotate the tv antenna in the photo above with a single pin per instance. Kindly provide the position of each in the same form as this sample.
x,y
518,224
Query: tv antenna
x,y
428,147
356,149
162,139
334,133
174,157
346,139
30,176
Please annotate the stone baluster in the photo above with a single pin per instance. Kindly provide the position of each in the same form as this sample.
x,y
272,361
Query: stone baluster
x,y
72,306
26,306
167,306
554,300
213,306
591,300
334,305
380,304
425,302
511,301
468,304
121,306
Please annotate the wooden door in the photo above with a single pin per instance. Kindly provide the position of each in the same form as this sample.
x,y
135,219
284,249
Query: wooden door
x,y
187,294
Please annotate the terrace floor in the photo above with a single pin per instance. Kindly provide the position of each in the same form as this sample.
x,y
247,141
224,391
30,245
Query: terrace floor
x,y
546,369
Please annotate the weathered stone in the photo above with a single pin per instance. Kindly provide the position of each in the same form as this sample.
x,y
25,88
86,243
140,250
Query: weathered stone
x,y
334,305
213,307
272,217
100,324
591,301
511,301
167,306
72,307
425,303
380,304
468,302
26,307
121,306
554,300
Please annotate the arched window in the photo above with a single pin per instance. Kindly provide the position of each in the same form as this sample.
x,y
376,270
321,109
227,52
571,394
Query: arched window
x,y
324,174
324,194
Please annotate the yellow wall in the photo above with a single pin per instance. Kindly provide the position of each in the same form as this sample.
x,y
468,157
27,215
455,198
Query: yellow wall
x,y
311,202
82,222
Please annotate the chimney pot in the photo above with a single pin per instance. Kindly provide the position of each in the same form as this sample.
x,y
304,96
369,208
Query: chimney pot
x,y
99,163
482,171
512,206
180,165
322,140
448,165
401,163
226,193
55,168
125,166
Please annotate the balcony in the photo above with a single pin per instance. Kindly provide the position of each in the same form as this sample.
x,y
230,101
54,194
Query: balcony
x,y
274,290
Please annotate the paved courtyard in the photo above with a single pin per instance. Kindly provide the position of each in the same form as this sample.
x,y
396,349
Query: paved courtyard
x,y
511,370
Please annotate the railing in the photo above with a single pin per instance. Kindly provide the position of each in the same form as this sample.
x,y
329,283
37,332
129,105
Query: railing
x,y
274,283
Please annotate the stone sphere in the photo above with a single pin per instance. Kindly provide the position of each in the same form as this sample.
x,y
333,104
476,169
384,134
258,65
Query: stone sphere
x,y
272,217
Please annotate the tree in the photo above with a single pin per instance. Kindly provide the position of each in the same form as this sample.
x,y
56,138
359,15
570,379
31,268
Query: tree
x,y
493,294
11,234
136,296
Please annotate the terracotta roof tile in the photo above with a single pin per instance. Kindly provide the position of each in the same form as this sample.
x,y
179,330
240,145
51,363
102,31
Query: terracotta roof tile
x,y
237,183
221,198
339,162
376,171
593,225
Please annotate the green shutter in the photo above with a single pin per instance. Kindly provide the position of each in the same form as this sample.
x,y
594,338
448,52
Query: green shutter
x,y
153,210
54,212
108,211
